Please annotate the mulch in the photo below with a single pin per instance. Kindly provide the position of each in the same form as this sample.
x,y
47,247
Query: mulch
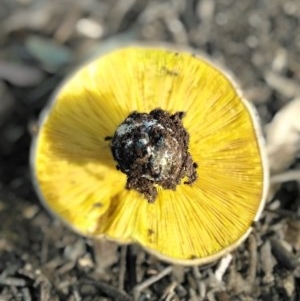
x,y
40,43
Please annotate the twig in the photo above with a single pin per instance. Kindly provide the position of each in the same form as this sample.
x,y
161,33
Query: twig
x,y
140,287
12,281
200,285
252,246
290,175
122,270
267,262
133,267
110,291
284,213
223,266
44,249
169,292
26,294
44,291
283,256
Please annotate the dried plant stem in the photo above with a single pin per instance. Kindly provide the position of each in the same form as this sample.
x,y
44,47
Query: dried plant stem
x,y
140,287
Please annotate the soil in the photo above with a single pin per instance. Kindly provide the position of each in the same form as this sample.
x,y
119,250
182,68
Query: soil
x,y
40,43
153,149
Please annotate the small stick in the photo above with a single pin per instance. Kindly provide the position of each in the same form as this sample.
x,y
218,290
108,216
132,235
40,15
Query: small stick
x,y
122,270
110,291
284,213
290,175
283,256
140,287
267,262
200,285
26,294
252,246
13,281
169,292
44,249
223,266
44,291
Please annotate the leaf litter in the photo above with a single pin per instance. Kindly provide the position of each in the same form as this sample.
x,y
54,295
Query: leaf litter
x,y
41,42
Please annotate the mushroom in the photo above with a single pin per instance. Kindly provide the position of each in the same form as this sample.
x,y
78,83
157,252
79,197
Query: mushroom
x,y
156,147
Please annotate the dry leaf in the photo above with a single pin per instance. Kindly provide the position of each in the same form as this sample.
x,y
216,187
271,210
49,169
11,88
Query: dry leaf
x,y
283,137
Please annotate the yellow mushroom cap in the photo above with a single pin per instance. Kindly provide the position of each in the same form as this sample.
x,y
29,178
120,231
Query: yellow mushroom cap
x,y
76,176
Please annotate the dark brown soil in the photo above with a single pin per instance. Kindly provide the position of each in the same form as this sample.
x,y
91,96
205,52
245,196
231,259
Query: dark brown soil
x,y
153,149
40,43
